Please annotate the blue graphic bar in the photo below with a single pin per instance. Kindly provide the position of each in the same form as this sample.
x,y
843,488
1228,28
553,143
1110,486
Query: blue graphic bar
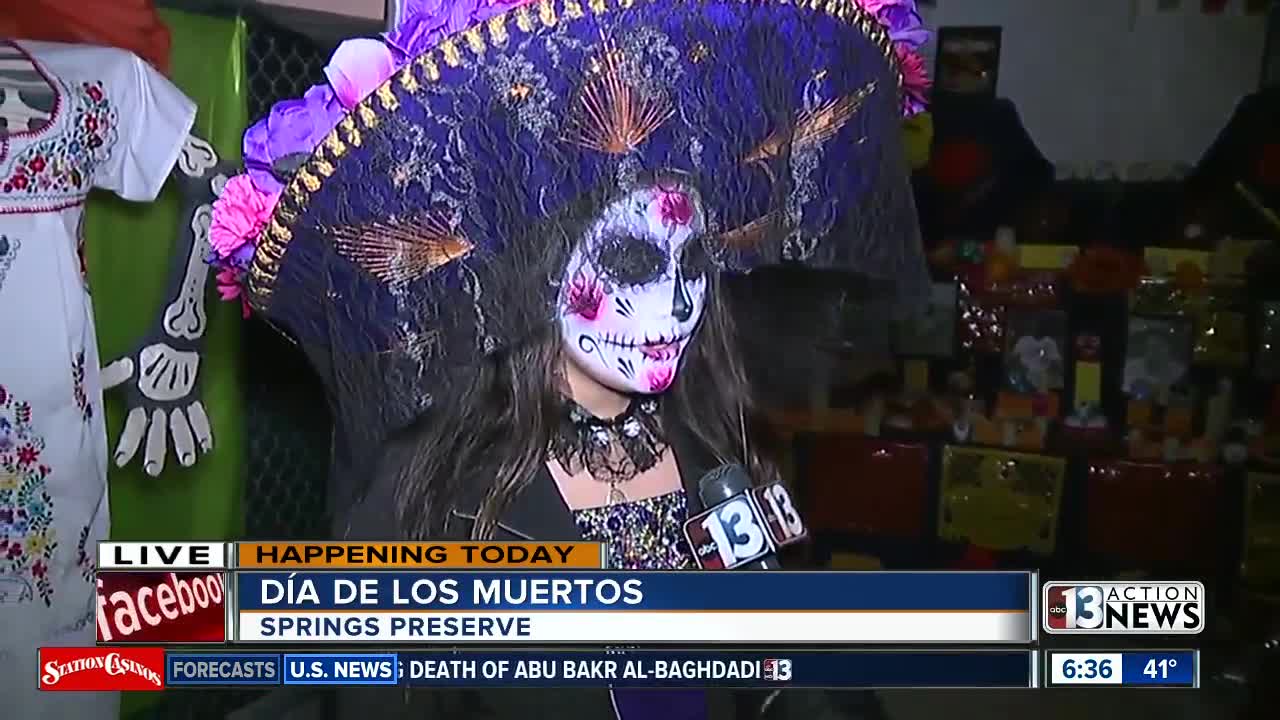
x,y
638,592
610,668
341,669
1122,668
779,669
660,669
1160,669
191,669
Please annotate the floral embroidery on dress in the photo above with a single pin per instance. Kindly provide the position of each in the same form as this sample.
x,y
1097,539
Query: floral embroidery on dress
x,y
27,536
15,591
83,560
62,167
80,254
77,387
8,252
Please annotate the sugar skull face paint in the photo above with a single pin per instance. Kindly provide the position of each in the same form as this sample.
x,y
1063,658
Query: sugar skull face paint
x,y
634,289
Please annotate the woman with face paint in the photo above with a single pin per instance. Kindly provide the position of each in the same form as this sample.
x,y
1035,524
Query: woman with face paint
x,y
633,296
507,261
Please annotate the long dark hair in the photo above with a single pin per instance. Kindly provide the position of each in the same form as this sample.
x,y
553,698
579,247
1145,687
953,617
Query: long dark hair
x,y
495,427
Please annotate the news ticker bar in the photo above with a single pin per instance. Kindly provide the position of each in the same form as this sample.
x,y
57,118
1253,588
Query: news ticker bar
x,y
157,669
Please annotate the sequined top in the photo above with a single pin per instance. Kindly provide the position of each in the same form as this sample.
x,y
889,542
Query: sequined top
x,y
641,534
646,535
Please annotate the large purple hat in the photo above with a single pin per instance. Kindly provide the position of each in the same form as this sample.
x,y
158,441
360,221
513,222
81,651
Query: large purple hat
x,y
430,227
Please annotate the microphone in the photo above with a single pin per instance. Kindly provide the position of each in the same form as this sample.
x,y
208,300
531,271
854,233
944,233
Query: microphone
x,y
743,527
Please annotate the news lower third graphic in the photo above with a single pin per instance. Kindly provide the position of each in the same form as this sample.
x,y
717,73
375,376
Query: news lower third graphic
x,y
132,668
532,594
1128,668
1151,608
608,608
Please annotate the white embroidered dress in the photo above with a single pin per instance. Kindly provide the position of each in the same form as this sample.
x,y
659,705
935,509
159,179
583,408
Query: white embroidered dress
x,y
72,118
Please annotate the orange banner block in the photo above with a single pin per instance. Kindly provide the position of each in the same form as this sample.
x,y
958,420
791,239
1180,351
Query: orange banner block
x,y
480,555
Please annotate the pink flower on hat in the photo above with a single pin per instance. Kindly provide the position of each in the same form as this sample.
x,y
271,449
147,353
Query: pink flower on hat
x,y
239,215
230,288
915,80
906,29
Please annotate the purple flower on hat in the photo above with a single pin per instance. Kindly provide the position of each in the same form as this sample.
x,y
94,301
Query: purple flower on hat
x,y
293,127
900,18
907,32
242,258
357,68
427,22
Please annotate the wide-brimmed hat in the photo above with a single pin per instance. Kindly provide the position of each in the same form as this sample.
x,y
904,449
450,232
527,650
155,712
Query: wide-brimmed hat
x,y
415,228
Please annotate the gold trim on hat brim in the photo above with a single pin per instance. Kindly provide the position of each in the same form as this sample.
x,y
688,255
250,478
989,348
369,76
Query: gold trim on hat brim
x,y
425,69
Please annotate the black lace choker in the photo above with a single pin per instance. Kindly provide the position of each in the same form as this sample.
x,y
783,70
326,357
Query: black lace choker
x,y
613,451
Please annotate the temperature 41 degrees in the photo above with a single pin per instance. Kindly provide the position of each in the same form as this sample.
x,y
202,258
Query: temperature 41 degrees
x,y
1159,669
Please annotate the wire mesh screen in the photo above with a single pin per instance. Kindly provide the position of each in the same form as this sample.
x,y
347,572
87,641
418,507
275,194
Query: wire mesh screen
x,y
287,420
288,427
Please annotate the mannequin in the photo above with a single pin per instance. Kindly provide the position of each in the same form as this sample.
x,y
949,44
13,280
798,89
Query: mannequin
x,y
1246,151
985,169
79,117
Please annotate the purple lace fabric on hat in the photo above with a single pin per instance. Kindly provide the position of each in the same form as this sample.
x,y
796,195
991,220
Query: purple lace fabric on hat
x,y
645,535
417,239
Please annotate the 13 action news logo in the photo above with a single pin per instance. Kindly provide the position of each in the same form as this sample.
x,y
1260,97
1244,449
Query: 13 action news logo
x,y
1150,608
775,669
745,528
101,669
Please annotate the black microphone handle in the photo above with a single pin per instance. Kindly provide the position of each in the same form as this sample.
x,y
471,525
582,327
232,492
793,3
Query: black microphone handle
x,y
768,562
722,483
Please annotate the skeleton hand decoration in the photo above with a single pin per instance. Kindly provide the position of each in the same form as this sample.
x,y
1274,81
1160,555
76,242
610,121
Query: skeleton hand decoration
x,y
167,380
161,377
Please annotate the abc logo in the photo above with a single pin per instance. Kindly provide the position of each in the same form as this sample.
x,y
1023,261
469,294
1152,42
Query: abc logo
x,y
1074,607
737,535
776,669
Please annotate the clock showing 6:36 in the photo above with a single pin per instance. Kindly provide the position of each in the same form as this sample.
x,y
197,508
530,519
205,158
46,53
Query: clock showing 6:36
x,y
1086,668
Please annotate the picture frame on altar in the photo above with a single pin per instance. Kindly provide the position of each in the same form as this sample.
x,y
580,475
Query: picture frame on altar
x,y
1157,356
1035,351
968,63
932,333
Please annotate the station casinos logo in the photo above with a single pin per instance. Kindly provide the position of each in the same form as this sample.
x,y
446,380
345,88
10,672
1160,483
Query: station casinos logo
x,y
65,668
1155,608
